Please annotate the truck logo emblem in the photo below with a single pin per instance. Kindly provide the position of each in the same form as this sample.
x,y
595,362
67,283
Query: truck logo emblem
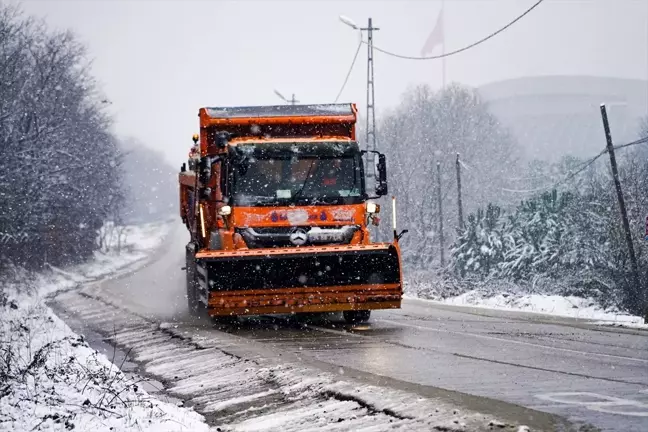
x,y
298,237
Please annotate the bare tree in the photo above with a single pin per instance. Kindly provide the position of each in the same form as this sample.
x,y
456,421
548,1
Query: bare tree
x,y
59,164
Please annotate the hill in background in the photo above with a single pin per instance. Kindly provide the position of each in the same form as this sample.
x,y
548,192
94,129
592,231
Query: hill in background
x,y
554,116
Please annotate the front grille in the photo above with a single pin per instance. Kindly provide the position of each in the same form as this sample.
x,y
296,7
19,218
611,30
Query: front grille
x,y
272,237
274,230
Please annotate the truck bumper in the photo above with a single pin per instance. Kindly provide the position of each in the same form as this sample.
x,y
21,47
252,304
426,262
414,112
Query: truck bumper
x,y
304,300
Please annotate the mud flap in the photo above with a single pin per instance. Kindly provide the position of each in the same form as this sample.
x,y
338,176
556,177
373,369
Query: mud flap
x,y
196,293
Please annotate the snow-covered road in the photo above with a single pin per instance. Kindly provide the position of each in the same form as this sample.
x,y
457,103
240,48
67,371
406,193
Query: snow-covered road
x,y
278,375
249,387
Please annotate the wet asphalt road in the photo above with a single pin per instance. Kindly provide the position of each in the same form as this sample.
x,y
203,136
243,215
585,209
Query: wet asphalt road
x,y
567,367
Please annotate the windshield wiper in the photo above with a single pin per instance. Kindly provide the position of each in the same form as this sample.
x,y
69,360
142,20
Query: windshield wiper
x,y
301,189
327,200
256,199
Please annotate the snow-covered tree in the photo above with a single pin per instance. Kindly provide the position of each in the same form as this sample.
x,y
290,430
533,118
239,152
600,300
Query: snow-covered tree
x,y
479,248
59,164
574,237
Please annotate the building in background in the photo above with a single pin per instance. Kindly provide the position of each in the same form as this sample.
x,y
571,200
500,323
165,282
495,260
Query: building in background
x,y
552,116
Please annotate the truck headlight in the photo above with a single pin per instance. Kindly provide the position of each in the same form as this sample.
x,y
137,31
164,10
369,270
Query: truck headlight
x,y
225,210
372,207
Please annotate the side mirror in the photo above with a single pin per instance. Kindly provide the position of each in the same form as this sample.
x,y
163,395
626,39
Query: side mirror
x,y
222,138
381,184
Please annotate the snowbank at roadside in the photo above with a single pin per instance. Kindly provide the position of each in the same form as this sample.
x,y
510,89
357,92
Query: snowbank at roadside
x,y
542,296
50,379
563,306
566,306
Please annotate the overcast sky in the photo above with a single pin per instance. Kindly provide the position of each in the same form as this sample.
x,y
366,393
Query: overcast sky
x,y
159,61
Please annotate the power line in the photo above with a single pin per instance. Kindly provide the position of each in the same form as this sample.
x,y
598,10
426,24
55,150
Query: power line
x,y
639,141
463,164
592,160
525,190
472,45
583,167
346,79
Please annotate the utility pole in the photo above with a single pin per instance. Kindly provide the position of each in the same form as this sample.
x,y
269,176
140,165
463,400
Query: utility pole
x,y
370,145
371,112
459,201
637,291
441,243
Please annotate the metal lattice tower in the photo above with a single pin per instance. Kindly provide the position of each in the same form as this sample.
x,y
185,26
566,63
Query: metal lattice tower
x,y
371,113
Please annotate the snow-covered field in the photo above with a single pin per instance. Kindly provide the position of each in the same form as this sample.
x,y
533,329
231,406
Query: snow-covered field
x,y
50,379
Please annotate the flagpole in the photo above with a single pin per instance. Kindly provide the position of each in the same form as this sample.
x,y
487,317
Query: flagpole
x,y
443,59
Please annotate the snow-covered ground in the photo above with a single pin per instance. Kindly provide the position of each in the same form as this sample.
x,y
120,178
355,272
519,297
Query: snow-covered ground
x,y
50,379
541,297
564,306
126,248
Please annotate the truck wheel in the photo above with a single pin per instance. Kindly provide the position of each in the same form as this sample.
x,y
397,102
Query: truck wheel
x,y
356,316
304,318
225,320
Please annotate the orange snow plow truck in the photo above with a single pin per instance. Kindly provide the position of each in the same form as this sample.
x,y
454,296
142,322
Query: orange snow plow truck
x,y
275,202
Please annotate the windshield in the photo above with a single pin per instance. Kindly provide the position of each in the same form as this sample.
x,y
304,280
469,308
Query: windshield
x,y
297,173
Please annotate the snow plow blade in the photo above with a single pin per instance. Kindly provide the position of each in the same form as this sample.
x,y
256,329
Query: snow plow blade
x,y
307,279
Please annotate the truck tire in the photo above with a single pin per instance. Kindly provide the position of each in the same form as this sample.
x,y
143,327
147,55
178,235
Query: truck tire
x,y
356,316
360,316
226,320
